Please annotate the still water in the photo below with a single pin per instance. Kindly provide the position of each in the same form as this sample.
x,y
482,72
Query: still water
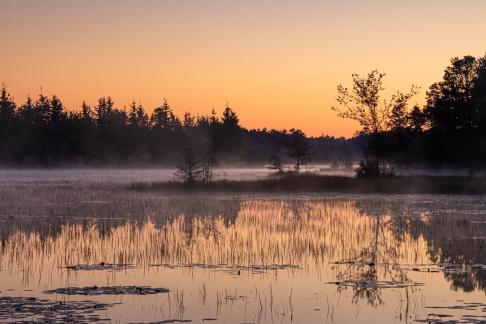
x,y
231,258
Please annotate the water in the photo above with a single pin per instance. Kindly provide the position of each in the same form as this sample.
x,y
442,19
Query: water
x,y
234,258
146,175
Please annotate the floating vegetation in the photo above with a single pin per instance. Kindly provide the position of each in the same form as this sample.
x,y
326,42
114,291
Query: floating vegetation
x,y
464,306
18,309
168,321
429,268
233,269
111,290
235,298
368,284
101,266
446,268
356,262
455,268
457,314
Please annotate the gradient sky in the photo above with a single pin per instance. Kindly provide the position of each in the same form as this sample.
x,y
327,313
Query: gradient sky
x,y
276,62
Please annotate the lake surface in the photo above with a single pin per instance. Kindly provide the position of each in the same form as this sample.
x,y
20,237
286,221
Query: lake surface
x,y
233,258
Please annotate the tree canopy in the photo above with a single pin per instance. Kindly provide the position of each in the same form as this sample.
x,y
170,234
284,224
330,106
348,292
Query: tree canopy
x,y
43,132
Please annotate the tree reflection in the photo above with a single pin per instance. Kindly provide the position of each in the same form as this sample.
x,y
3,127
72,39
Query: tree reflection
x,y
455,233
379,259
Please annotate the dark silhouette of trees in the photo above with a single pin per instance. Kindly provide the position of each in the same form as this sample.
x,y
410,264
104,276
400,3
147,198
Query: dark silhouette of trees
x,y
7,124
208,162
363,104
455,109
42,132
450,101
226,134
449,130
416,120
230,120
189,169
197,152
164,118
275,164
299,149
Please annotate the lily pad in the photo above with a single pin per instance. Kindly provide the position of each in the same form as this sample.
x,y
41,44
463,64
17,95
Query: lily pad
x,y
110,290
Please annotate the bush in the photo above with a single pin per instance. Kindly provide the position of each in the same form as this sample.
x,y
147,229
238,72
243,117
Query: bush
x,y
368,169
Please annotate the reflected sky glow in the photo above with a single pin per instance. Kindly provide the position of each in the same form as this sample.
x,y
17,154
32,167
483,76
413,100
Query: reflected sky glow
x,y
252,258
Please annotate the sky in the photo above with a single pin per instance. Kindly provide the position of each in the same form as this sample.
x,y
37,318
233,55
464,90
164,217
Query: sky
x,y
276,62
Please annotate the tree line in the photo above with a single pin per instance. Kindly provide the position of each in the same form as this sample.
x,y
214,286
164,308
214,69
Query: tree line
x,y
449,130
43,133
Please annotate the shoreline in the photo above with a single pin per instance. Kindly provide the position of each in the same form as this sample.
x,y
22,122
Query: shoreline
x,y
337,184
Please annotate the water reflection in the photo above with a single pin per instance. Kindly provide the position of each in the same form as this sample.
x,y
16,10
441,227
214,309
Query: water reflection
x,y
454,231
374,244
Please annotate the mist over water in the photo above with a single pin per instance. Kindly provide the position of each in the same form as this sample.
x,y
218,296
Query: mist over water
x,y
121,175
238,258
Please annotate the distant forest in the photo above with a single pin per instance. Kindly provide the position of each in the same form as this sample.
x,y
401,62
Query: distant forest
x,y
42,133
448,131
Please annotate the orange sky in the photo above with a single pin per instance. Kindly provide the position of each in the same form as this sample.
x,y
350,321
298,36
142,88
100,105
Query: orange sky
x,y
277,62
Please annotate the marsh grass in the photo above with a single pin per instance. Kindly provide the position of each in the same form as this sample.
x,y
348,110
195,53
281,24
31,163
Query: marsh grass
x,y
323,183
264,236
372,239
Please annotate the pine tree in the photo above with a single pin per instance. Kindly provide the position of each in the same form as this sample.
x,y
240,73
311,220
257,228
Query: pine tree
x,y
163,117
7,127
56,111
416,119
103,111
230,120
132,115
26,112
42,109
7,104
86,113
